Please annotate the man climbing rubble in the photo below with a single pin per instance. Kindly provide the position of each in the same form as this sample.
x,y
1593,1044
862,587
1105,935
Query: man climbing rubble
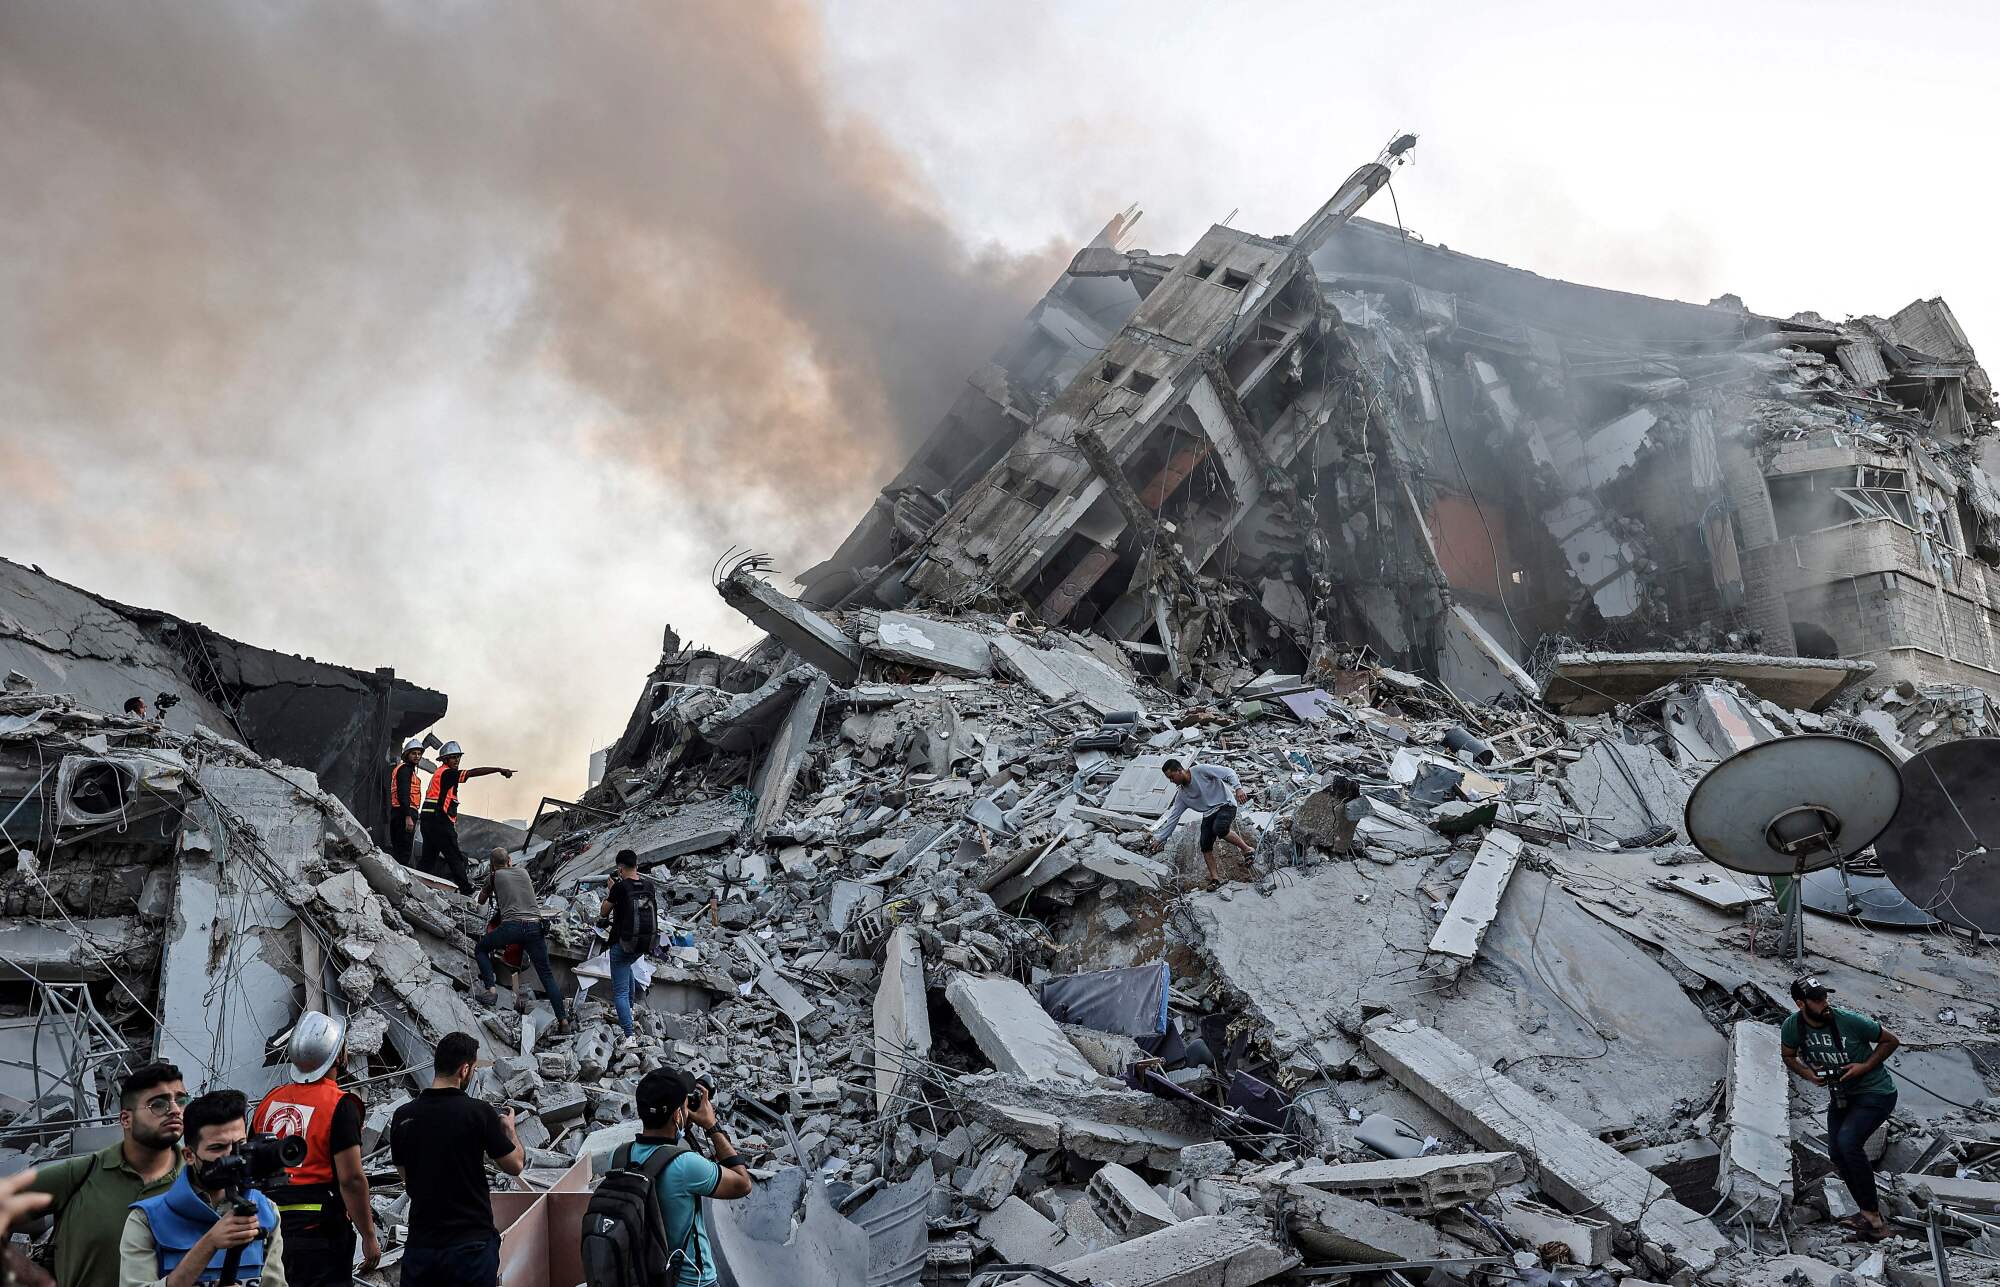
x,y
440,814
323,1203
1214,791
1843,1051
633,920
517,923
406,800
93,1192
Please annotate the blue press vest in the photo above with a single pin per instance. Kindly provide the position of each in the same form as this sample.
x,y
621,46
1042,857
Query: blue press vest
x,y
180,1216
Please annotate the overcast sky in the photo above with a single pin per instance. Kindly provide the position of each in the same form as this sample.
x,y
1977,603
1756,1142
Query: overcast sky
x,y
463,338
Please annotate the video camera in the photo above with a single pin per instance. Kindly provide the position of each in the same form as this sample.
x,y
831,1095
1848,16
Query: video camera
x,y
256,1159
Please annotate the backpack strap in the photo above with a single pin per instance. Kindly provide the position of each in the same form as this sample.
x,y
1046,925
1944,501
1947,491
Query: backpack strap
x,y
655,1168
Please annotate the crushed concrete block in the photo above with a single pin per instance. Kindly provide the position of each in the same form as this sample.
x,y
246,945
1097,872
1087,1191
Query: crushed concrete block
x,y
996,1175
1962,1195
1418,1185
1757,1140
1589,1241
1332,1227
558,1104
1020,1234
1199,1161
902,1017
1212,1251
933,644
531,1131
1013,1030
798,627
1129,1206
1571,1164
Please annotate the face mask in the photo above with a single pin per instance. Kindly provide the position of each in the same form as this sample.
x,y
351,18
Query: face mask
x,y
210,1174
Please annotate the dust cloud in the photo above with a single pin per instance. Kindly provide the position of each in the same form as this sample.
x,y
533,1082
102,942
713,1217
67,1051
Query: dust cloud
x,y
459,337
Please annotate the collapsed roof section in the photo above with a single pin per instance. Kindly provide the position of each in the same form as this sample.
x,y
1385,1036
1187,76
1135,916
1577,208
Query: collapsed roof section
x,y
342,725
1250,455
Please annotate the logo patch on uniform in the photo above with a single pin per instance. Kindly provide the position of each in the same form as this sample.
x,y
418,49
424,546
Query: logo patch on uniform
x,y
285,1118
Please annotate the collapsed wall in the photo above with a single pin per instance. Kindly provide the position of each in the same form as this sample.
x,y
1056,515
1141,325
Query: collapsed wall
x,y
343,725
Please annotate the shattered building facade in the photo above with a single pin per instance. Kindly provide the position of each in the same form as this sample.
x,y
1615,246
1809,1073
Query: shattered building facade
x,y
1469,575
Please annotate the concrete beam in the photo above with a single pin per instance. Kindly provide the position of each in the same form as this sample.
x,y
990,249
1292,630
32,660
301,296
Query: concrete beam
x,y
805,632
1417,1186
1013,1030
1335,1228
786,754
902,1019
1477,901
1573,1166
1757,1142
1210,1251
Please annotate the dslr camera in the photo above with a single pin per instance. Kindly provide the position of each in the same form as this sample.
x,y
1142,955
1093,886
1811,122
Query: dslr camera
x,y
256,1159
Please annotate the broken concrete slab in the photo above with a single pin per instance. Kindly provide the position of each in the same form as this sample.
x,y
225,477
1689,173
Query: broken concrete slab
x,y
937,645
1209,1251
902,1017
1757,1142
1571,1164
1013,1030
1417,1186
1628,790
1062,676
1140,789
1020,1234
798,627
1477,901
1963,1195
1337,1228
1592,683
1474,665
1589,1240
786,754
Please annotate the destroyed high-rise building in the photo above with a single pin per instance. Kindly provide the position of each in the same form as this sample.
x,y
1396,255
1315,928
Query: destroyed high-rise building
x,y
1267,446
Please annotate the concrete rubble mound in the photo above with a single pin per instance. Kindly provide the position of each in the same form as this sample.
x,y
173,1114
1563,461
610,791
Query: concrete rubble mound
x,y
1467,574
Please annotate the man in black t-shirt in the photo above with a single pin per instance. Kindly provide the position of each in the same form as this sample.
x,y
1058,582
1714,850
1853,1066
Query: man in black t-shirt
x,y
439,1142
628,906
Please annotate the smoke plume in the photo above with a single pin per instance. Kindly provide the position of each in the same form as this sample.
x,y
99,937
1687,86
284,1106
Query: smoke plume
x,y
458,337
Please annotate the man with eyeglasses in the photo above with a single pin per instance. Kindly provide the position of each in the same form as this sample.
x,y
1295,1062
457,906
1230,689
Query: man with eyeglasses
x,y
92,1193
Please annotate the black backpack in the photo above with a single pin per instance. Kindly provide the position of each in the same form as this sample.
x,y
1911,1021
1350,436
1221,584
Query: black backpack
x,y
645,919
624,1230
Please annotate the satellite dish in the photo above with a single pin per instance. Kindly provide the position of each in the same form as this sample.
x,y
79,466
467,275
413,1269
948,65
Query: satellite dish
x,y
1786,807
1864,896
1934,851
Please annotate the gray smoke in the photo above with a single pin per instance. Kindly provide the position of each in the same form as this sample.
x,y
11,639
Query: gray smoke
x,y
458,336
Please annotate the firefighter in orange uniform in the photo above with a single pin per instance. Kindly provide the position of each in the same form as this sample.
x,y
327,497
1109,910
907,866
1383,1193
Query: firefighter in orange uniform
x,y
406,800
440,815
324,1200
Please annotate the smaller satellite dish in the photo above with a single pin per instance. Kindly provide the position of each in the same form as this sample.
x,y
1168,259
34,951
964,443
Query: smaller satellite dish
x,y
1794,804
1935,851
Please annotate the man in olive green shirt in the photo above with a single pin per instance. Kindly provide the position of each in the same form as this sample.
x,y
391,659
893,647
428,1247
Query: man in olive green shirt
x,y
1843,1051
92,1192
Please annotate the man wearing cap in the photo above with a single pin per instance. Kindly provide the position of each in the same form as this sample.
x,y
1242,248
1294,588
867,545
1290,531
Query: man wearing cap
x,y
1843,1051
324,1199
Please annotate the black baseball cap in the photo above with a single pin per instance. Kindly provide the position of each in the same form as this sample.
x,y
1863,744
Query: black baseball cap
x,y
1807,987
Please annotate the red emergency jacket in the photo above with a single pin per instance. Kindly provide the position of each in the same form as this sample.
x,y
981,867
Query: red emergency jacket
x,y
303,1110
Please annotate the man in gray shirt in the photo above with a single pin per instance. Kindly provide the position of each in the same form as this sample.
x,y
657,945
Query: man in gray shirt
x,y
517,921
1214,791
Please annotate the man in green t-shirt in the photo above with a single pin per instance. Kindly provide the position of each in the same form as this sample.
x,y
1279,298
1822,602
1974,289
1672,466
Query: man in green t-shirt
x,y
94,1192
1842,1051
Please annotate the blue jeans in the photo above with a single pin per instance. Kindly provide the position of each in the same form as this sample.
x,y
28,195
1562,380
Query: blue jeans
x,y
1848,1127
534,941
621,985
463,1264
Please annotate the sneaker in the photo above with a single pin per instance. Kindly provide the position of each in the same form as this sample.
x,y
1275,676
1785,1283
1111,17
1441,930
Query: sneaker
x,y
631,1042
564,1027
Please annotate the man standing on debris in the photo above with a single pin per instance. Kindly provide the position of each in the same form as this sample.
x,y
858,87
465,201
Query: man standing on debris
x,y
635,924
669,1104
325,1198
519,914
1214,791
440,814
187,1234
439,1142
93,1193
1843,1051
406,800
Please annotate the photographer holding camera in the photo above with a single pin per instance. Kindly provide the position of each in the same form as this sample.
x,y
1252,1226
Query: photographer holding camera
x,y
670,1105
211,1225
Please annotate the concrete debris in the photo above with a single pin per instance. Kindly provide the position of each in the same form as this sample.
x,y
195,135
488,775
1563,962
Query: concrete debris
x,y
1466,998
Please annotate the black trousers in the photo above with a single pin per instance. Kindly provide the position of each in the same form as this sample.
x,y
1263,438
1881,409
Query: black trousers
x,y
402,839
319,1248
441,852
1848,1126
465,1264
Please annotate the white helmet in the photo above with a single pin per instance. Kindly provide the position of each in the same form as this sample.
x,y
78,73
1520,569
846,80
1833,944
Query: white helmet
x,y
414,744
315,1044
450,749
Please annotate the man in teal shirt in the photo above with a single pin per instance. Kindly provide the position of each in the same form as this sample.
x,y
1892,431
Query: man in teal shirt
x,y
668,1105
1843,1051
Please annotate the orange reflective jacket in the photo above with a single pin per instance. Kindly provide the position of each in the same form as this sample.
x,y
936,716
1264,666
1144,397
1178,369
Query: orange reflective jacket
x,y
441,796
303,1110
406,788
